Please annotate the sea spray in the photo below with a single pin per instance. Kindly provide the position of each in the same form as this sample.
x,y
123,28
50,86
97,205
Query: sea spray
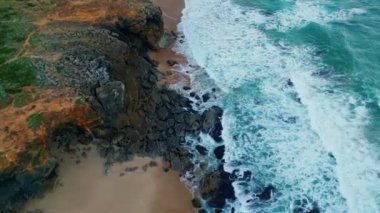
x,y
285,121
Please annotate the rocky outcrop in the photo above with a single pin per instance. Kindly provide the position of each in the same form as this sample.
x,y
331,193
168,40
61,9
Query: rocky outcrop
x,y
19,184
92,55
111,97
216,187
146,21
212,124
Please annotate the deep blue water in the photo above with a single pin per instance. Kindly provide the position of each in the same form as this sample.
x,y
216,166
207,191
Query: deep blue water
x,y
300,85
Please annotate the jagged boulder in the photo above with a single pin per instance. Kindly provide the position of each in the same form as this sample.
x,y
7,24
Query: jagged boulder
x,y
111,97
216,187
142,18
212,124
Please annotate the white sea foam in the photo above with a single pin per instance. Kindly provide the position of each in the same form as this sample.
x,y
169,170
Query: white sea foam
x,y
305,12
267,131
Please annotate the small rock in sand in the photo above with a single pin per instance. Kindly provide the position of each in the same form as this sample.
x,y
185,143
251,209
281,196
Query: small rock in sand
x,y
131,169
171,62
153,164
145,167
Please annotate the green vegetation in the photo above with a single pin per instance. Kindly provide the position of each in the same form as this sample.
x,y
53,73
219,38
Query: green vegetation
x,y
36,120
41,153
14,28
78,102
17,19
61,70
16,74
22,98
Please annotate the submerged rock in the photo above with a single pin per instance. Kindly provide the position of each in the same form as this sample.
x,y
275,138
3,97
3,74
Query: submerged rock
x,y
205,97
267,193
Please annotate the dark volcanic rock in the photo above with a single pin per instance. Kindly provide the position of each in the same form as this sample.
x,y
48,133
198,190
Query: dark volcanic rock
x,y
247,175
147,24
289,83
212,124
196,203
201,149
205,97
16,189
219,152
267,193
111,96
162,113
216,187
171,62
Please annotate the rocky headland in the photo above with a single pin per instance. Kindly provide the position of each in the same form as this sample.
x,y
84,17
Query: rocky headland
x,y
78,72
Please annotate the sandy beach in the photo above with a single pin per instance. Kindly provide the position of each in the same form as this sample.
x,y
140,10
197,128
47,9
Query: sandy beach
x,y
140,186
172,13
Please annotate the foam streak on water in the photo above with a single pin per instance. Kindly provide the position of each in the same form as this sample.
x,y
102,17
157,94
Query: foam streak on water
x,y
307,140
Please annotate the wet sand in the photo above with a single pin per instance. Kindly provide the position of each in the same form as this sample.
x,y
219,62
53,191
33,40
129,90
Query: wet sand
x,y
172,13
85,188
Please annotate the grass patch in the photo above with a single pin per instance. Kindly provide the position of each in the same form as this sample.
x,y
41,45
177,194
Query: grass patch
x,y
22,98
36,120
16,74
78,102
5,98
5,102
12,37
6,53
61,70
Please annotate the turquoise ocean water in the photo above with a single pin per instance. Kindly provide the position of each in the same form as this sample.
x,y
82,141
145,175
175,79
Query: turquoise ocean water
x,y
300,82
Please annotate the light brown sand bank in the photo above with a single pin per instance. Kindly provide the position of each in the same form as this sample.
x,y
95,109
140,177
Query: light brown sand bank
x,y
85,188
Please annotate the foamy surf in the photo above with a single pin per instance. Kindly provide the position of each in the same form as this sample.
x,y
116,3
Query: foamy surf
x,y
304,136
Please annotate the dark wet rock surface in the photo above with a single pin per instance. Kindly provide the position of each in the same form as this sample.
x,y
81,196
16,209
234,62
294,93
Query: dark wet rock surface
x,y
212,124
267,193
171,62
111,97
219,152
216,187
201,149
196,202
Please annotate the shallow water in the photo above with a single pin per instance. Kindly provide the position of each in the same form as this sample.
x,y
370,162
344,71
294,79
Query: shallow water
x,y
301,90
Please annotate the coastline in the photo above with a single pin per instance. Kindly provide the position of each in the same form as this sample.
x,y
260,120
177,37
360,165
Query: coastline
x,y
172,14
119,99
